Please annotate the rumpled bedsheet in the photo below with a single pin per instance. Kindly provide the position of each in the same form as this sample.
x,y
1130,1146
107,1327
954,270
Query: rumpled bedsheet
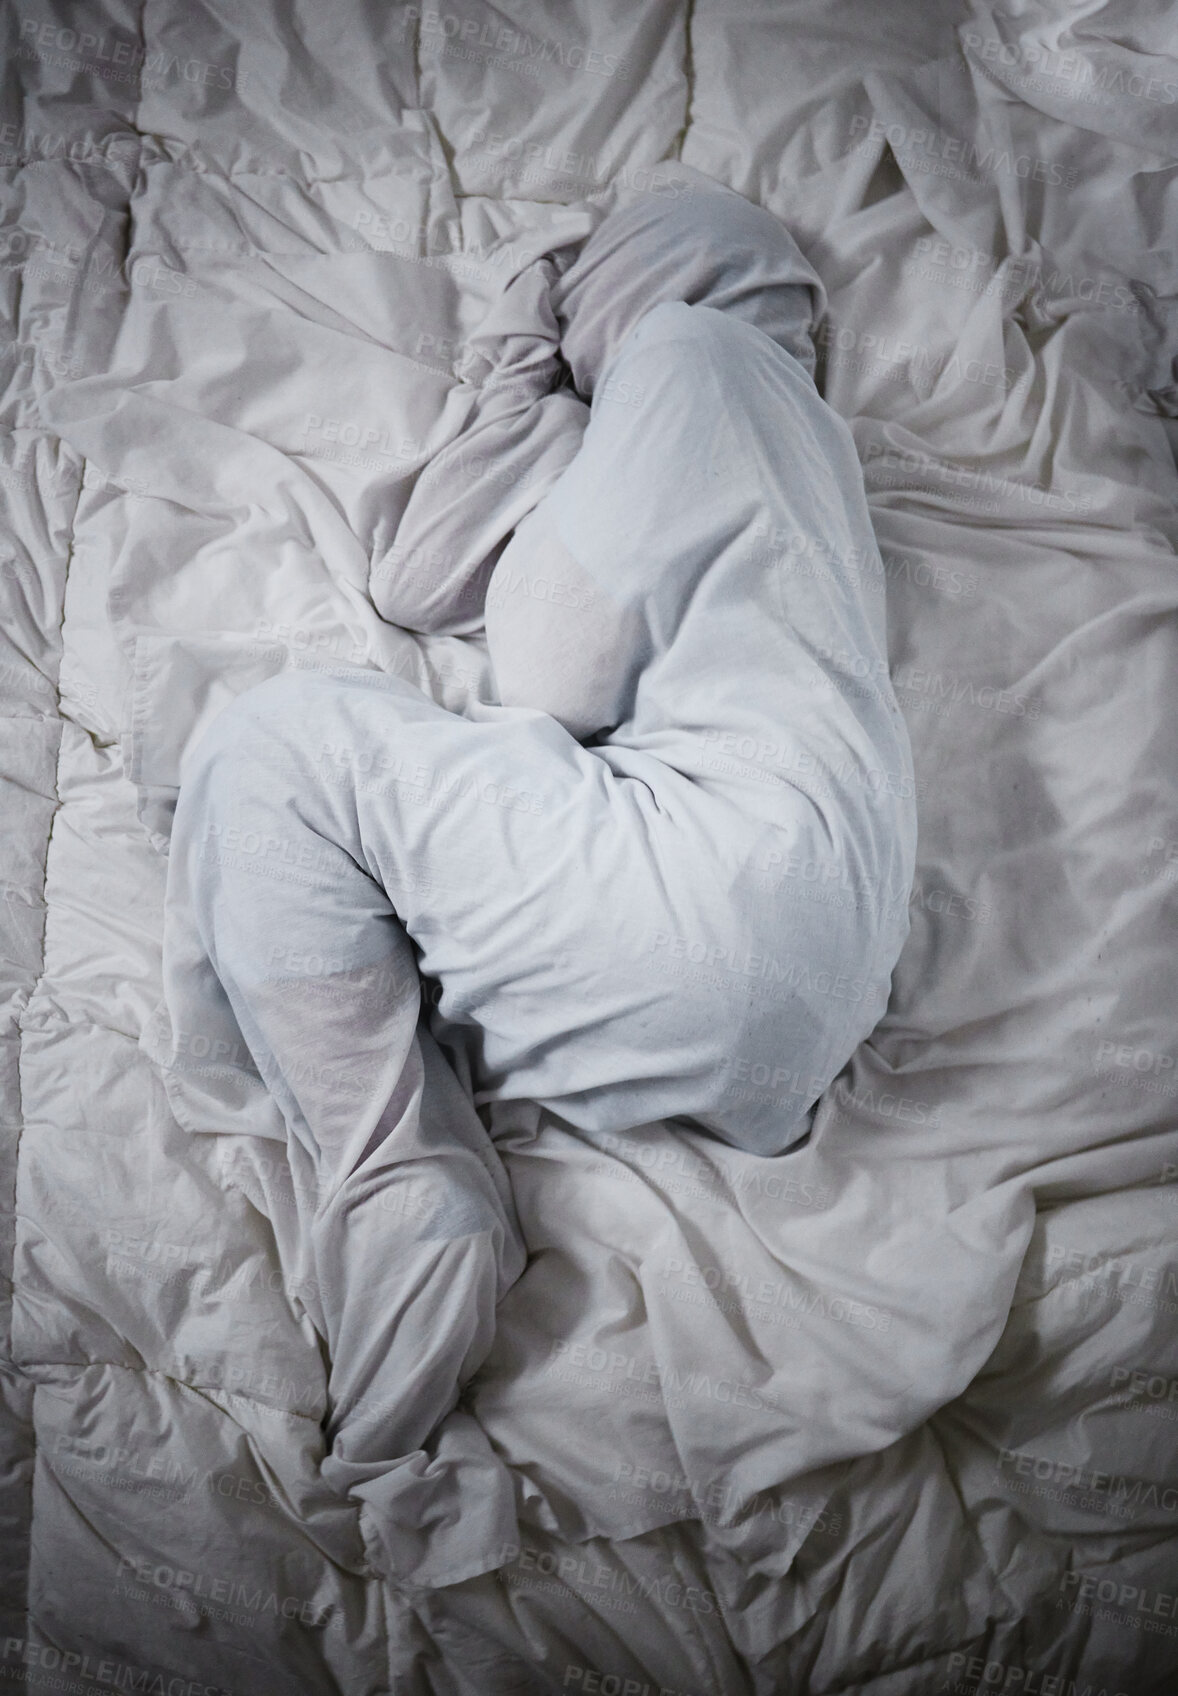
x,y
866,1416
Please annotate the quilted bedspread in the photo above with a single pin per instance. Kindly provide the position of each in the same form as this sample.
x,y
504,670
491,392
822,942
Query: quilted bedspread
x,y
892,1413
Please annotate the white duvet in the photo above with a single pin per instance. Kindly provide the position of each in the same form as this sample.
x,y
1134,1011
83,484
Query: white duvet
x,y
622,932
889,1412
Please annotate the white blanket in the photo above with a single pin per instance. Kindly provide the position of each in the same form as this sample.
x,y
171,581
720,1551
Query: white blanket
x,y
622,933
245,315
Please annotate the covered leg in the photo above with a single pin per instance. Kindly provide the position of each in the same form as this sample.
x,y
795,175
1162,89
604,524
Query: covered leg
x,y
284,959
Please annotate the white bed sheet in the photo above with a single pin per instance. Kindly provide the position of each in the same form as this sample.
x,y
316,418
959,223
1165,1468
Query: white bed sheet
x,y
912,1370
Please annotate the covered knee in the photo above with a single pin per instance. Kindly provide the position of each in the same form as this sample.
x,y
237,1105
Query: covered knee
x,y
557,639
710,247
694,341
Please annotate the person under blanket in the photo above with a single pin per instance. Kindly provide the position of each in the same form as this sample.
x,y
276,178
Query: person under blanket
x,y
665,879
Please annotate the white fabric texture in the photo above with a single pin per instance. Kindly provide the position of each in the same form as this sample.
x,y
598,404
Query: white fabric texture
x,y
281,288
584,913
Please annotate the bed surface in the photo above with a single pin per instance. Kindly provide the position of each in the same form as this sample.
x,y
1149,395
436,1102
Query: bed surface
x,y
895,1413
